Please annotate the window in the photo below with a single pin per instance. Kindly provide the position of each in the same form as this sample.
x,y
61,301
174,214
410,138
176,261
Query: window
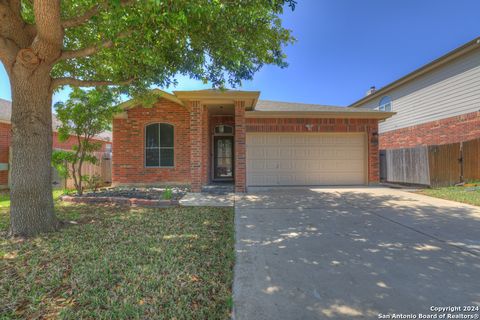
x,y
385,104
222,129
159,145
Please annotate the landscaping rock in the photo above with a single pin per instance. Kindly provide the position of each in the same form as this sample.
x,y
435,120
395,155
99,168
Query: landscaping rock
x,y
135,197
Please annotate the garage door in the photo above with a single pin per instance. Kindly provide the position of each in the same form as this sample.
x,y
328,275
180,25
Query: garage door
x,y
306,159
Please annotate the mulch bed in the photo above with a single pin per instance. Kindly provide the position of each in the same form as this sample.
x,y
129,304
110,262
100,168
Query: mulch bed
x,y
135,197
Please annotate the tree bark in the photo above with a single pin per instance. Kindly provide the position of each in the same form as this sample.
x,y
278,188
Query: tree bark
x,y
32,209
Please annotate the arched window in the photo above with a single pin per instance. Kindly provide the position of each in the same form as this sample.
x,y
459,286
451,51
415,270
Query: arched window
x,y
223,129
159,145
385,104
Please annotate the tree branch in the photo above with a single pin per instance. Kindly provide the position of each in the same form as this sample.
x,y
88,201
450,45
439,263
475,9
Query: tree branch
x,y
16,6
87,15
90,13
48,42
8,52
12,25
85,52
86,83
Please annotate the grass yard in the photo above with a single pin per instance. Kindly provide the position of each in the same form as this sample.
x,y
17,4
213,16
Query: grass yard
x,y
459,194
117,263
5,198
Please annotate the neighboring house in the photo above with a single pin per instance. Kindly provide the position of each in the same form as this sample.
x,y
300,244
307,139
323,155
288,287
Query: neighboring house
x,y
434,105
5,135
200,137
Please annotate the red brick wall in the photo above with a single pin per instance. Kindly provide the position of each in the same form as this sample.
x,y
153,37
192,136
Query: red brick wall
x,y
449,130
218,120
5,138
370,126
4,144
196,145
128,160
205,146
240,148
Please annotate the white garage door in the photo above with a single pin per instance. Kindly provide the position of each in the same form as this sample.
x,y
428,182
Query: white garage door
x,y
306,159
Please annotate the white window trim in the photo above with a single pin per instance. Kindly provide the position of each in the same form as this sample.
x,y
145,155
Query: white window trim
x,y
386,106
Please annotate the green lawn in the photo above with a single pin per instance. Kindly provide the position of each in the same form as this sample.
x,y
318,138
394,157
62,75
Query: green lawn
x,y
459,194
118,263
5,199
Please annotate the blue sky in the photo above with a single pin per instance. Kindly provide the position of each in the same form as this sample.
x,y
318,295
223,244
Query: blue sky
x,y
346,46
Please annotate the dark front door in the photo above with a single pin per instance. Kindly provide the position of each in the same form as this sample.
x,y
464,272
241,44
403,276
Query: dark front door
x,y
223,158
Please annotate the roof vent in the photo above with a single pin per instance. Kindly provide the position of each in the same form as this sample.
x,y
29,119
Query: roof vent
x,y
371,91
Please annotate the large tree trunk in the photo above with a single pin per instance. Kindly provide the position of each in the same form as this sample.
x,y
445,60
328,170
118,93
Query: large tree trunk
x,y
32,209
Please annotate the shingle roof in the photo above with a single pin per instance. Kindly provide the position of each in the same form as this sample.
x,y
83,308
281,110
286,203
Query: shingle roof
x,y
280,106
6,115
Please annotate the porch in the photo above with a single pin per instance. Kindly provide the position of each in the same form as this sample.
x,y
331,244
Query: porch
x,y
217,136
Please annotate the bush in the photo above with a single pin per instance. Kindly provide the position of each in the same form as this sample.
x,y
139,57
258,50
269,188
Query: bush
x,y
167,194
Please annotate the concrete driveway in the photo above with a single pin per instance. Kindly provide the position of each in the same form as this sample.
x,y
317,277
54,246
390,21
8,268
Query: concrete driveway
x,y
353,253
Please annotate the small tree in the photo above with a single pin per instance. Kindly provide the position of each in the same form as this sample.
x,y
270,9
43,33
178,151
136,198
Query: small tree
x,y
60,161
83,116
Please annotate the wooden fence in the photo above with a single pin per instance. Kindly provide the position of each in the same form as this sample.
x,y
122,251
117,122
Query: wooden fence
x,y
471,160
103,168
408,165
437,166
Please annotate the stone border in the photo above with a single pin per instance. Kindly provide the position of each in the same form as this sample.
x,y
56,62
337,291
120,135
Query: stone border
x,y
132,202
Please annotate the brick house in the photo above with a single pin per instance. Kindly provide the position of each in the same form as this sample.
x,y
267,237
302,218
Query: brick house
x,y
436,104
5,138
208,136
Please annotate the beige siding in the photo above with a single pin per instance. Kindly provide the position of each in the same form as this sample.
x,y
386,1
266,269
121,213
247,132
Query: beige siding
x,y
448,91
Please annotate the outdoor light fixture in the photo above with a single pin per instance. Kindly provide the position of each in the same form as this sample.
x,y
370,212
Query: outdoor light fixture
x,y
309,127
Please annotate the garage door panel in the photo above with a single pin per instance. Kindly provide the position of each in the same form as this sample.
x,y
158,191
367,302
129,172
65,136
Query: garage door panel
x,y
272,152
348,140
271,165
285,140
300,140
305,159
326,153
285,165
302,165
256,165
301,153
271,140
286,153
256,153
255,140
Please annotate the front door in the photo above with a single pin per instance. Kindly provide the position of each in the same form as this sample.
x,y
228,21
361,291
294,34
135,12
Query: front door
x,y
223,158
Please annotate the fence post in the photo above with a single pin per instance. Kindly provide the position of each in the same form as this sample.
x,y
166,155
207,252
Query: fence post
x,y
461,162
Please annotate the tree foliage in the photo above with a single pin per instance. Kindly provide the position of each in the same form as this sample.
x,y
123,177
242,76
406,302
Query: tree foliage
x,y
147,42
85,115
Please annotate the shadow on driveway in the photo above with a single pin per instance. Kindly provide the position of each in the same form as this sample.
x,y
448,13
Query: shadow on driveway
x,y
353,253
